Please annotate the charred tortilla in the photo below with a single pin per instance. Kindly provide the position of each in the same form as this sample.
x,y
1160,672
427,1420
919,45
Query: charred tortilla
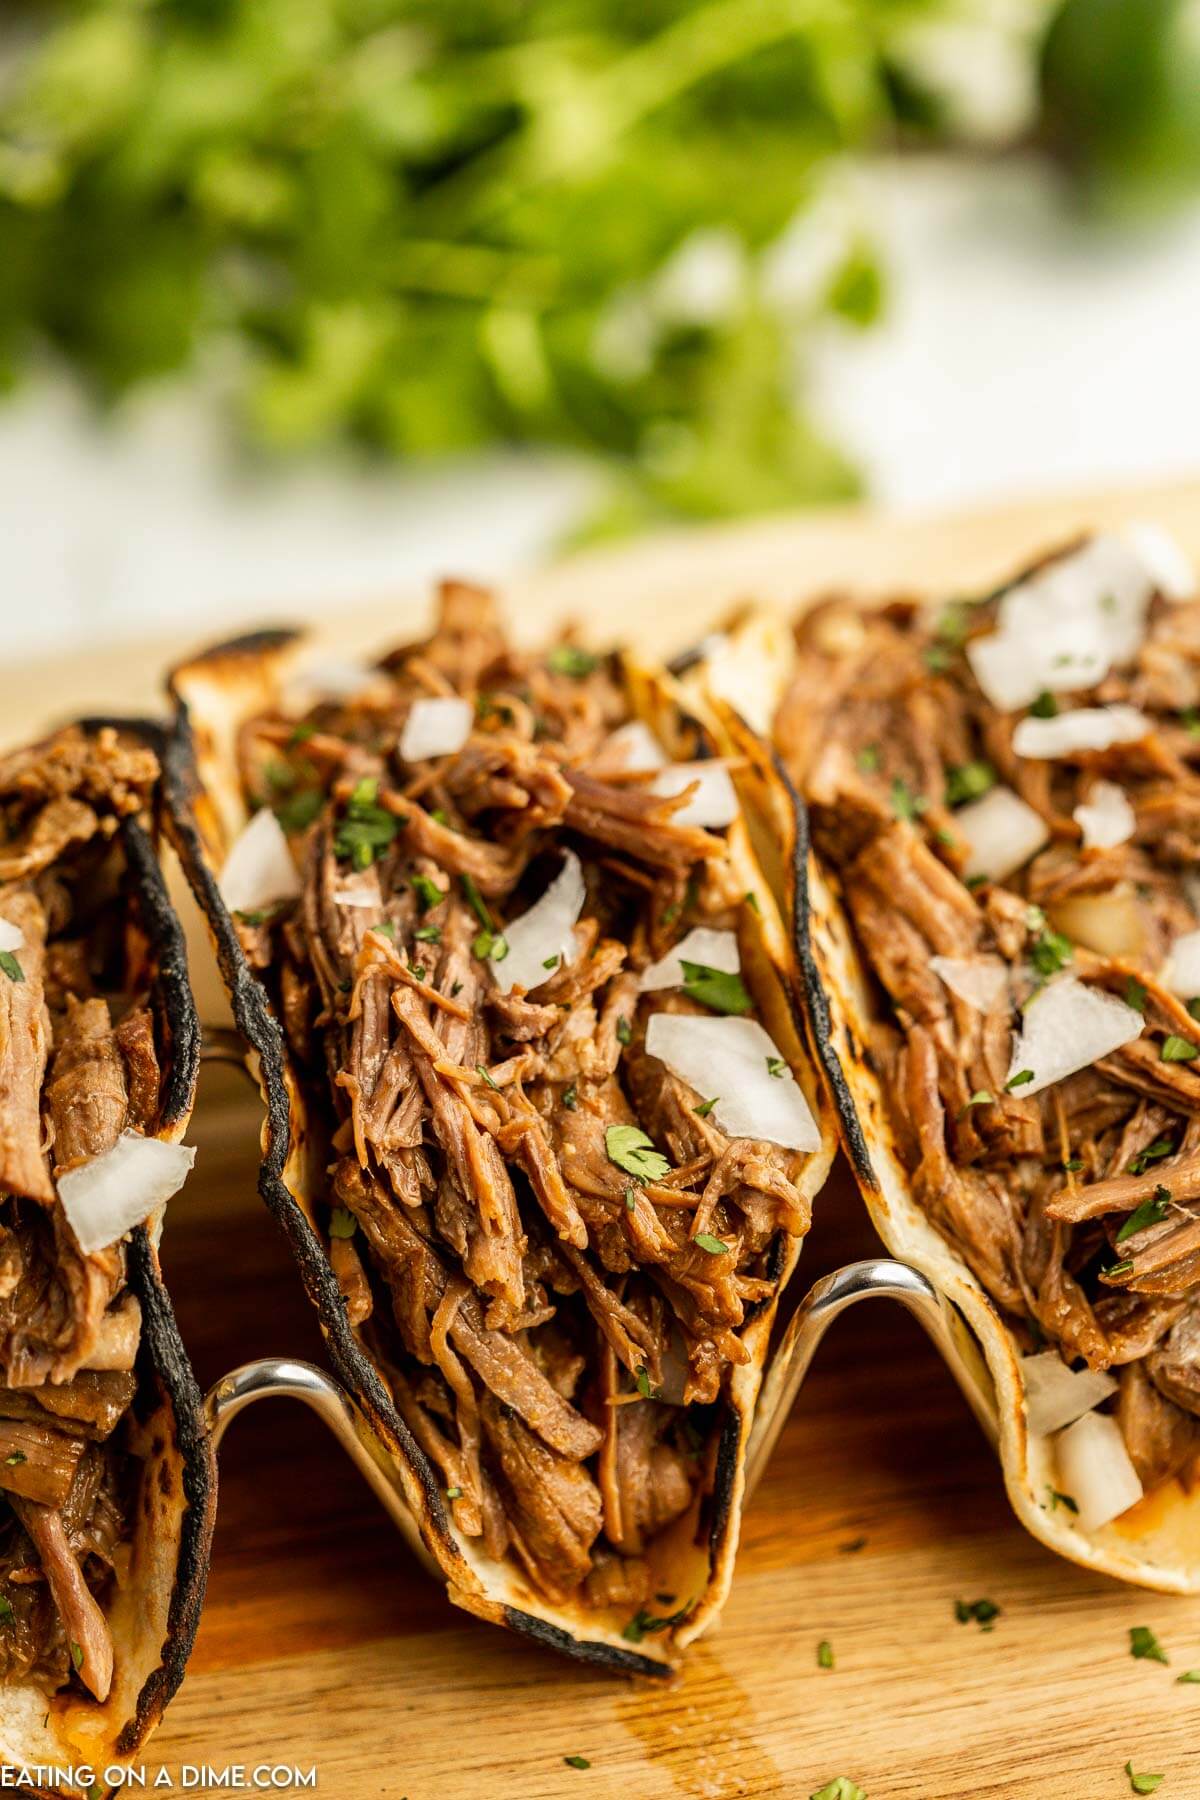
x,y
108,1479
542,1266
1004,798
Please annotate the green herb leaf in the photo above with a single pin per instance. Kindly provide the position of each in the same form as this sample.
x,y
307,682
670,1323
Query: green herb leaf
x,y
365,828
7,1615
704,1240
824,1654
1050,952
968,781
476,901
1154,1152
868,758
840,1788
427,891
1057,1499
577,1762
624,1032
776,1066
1150,1212
715,988
551,962
454,1493
485,1075
1179,1049
984,1612
1116,1270
1073,1165
298,811
569,659
981,1097
301,733
1135,994
1144,1646
16,1459
705,1107
1044,707
630,1149
1190,1677
906,804
643,1383
11,966
570,1097
1143,1784
1193,1007
630,1199
1020,1079
342,1222
77,1655
428,934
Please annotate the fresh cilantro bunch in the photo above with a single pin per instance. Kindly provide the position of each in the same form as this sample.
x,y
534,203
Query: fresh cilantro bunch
x,y
428,227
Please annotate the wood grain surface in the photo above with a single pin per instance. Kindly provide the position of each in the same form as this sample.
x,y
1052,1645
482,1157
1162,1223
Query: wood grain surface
x,y
323,1644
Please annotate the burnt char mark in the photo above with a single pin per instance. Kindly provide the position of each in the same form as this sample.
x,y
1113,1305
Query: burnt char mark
x,y
167,1364
600,1656
259,1027
724,1478
816,999
174,991
250,644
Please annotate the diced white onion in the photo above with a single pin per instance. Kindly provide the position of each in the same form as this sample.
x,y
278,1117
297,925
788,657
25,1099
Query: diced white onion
x,y
982,981
1183,966
105,1198
436,727
715,801
11,936
259,869
1088,728
712,949
1001,832
729,1061
633,749
544,934
1105,817
1069,1026
1094,1468
1056,1396
361,889
1064,627
1168,567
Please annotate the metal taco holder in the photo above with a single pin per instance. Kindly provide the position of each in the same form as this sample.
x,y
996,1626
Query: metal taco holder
x,y
874,1278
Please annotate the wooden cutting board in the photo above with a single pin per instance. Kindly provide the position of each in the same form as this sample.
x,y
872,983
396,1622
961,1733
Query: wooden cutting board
x,y
322,1644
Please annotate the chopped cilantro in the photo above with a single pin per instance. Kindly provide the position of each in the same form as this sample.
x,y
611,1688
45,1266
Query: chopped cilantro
x,y
1050,952
366,827
776,1066
906,804
427,891
1144,1646
824,1654
1193,1007
7,1615
1020,1079
840,1788
624,1030
1154,1152
77,1655
937,658
1190,1677
577,1762
1150,1212
1179,1049
1057,1500
1045,706
298,811
1135,994
868,758
1143,1784
715,988
643,1383
1117,1269
984,1612
454,1493
968,781
485,1075
981,1097
551,962
16,1459
705,1107
570,659
630,1199
570,1097
428,934
11,966
342,1222
704,1240
630,1149
301,733
1073,1165
476,901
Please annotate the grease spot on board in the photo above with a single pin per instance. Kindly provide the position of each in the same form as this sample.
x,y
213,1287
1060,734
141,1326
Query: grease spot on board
x,y
702,1732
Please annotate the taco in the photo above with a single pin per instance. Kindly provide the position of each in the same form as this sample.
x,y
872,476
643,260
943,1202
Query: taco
x,y
107,1478
1004,798
540,1124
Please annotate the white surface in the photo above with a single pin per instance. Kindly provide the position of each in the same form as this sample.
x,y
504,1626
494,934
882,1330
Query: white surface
x,y
1022,352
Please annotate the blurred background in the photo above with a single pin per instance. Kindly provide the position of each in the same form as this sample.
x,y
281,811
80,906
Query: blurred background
x,y
308,300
